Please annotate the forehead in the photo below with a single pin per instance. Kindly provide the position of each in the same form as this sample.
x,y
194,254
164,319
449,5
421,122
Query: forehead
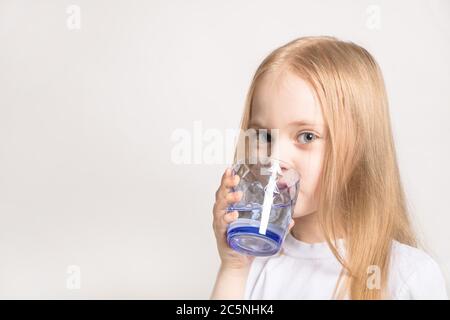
x,y
283,97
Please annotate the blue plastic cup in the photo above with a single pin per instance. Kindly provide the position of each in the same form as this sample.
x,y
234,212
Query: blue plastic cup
x,y
270,190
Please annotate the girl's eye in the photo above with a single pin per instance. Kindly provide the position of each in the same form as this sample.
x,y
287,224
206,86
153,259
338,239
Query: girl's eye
x,y
264,136
306,137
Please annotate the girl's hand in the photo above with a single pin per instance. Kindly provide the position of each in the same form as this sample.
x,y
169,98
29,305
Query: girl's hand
x,y
221,218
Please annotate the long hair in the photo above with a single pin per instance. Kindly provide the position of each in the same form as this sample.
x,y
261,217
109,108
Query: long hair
x,y
361,191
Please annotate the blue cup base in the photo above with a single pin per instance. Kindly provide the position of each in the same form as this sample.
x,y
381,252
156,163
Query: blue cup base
x,y
247,240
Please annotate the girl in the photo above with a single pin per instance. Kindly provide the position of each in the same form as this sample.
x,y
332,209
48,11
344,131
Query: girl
x,y
350,237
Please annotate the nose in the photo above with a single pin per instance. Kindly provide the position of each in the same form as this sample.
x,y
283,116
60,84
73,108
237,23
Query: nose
x,y
284,166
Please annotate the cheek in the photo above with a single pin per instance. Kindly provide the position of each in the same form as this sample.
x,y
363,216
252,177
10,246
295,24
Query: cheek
x,y
310,171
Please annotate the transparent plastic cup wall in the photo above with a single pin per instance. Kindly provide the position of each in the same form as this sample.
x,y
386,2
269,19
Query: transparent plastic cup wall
x,y
270,190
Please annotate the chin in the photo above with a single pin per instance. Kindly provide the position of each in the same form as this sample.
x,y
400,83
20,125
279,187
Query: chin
x,y
300,214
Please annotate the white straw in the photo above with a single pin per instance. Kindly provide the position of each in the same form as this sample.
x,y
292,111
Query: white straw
x,y
268,196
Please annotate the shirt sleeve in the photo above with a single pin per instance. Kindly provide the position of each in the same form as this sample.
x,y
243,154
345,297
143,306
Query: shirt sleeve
x,y
425,283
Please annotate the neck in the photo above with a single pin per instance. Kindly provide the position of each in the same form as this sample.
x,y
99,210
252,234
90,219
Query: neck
x,y
307,229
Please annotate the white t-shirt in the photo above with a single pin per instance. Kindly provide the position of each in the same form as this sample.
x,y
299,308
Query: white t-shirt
x,y
310,271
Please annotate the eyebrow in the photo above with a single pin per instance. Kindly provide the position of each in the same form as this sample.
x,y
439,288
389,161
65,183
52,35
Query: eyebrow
x,y
294,123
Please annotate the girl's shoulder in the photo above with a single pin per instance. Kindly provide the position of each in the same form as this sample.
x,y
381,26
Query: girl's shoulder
x,y
414,274
408,256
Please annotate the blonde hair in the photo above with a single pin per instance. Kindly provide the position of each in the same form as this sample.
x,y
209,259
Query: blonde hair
x,y
361,191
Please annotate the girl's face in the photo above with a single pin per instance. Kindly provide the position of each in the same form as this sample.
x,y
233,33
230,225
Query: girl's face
x,y
286,102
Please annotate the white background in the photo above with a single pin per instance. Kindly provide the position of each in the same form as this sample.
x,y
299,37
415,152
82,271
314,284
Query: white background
x,y
86,119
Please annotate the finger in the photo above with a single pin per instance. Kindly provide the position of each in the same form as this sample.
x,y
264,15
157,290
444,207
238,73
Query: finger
x,y
228,178
222,204
230,217
225,176
220,224
232,181
226,185
233,197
